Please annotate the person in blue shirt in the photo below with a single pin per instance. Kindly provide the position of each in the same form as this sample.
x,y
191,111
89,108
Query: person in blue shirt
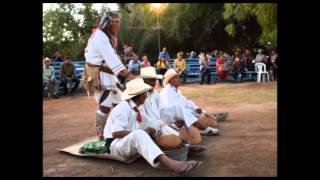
x,y
164,53
134,65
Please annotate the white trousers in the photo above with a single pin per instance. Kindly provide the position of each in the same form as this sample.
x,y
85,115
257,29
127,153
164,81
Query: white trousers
x,y
136,142
170,114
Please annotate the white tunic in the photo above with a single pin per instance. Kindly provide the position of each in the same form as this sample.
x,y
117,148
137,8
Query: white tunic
x,y
151,109
97,50
124,118
173,106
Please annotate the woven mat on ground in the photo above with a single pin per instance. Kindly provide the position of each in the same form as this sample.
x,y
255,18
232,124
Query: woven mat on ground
x,y
74,150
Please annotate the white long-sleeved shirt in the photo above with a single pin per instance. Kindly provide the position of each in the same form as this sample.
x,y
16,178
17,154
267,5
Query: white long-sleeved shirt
x,y
151,109
99,49
169,95
151,106
174,105
124,118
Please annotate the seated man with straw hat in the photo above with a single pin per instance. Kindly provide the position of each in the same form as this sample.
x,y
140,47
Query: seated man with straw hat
x,y
151,109
177,110
127,135
49,79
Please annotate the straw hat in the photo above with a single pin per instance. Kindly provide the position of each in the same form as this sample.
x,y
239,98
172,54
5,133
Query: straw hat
x,y
134,88
149,72
169,75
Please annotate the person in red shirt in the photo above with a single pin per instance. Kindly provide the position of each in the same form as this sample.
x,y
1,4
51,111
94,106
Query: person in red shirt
x,y
219,63
145,62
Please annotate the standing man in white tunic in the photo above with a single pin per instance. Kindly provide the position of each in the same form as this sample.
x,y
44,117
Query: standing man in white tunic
x,y
103,68
127,135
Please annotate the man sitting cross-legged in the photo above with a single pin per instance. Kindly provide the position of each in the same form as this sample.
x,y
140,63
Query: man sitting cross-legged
x,y
127,135
177,110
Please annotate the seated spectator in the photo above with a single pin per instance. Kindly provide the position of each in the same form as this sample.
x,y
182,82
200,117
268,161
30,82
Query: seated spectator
x,y
164,54
192,55
49,80
56,57
145,62
204,62
221,52
180,66
127,55
214,54
208,55
238,65
134,65
221,68
162,65
68,75
273,65
248,57
260,57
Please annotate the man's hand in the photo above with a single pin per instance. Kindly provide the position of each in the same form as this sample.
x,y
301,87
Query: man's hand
x,y
126,74
179,123
105,69
198,110
151,132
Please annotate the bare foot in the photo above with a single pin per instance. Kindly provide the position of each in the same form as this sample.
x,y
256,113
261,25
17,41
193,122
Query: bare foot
x,y
181,167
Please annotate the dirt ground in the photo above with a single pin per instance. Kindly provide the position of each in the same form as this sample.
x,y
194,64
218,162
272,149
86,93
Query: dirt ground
x,y
247,145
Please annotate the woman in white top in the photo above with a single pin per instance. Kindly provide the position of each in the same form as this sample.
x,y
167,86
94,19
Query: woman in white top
x,y
101,54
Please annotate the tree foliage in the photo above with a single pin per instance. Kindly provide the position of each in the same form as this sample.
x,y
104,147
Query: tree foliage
x,y
265,14
183,26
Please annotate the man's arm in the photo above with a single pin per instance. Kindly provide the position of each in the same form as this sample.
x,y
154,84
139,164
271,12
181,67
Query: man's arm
x,y
44,77
109,55
113,61
62,76
175,65
160,54
188,103
120,134
184,65
52,74
73,72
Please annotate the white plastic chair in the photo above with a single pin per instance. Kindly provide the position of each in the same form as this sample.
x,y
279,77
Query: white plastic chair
x,y
261,70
